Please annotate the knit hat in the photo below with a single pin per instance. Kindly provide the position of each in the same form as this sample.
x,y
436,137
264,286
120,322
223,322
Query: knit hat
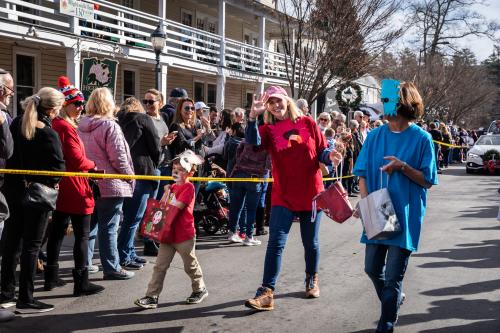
x,y
71,94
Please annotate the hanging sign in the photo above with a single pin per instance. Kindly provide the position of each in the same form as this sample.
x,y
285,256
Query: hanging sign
x,y
98,73
77,8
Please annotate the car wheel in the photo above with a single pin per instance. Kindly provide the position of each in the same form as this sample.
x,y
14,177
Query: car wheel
x,y
468,170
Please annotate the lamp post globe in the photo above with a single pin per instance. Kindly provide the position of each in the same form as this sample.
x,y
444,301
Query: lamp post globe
x,y
158,39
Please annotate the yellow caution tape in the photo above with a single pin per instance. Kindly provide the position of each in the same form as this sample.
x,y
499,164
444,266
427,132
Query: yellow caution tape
x,y
449,144
138,177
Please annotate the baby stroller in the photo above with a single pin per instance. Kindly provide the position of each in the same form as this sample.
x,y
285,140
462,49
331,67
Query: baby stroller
x,y
211,212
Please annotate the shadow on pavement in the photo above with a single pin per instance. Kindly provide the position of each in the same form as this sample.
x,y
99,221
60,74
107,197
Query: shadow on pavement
x,y
482,310
466,289
55,323
475,255
480,212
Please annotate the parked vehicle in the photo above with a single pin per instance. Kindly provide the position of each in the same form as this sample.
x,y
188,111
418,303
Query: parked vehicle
x,y
480,155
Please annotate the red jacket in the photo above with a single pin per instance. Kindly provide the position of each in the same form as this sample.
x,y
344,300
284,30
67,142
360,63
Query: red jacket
x,y
75,193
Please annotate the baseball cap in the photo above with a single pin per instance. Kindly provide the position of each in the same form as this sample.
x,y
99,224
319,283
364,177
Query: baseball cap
x,y
277,92
179,93
200,105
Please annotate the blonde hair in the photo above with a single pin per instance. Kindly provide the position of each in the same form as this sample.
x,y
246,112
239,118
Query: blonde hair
x,y
101,103
64,115
132,104
157,94
44,100
411,104
292,112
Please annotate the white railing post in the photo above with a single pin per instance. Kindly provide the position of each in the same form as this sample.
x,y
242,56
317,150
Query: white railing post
x,y
222,32
121,24
73,56
262,43
10,16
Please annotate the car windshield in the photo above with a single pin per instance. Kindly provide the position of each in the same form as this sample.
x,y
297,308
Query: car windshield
x,y
489,140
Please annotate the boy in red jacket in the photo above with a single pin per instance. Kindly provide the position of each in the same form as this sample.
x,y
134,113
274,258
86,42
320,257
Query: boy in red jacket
x,y
181,194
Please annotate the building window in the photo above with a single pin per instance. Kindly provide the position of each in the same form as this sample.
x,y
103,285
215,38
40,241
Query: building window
x,y
186,17
199,91
25,78
128,84
249,100
211,94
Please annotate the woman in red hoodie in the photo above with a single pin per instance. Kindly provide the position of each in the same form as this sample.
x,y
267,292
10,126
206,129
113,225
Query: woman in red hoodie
x,y
75,200
296,146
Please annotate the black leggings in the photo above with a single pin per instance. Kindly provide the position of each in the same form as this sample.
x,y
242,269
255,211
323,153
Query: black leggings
x,y
25,228
81,227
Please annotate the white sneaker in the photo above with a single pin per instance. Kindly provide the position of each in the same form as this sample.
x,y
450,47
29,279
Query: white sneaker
x,y
234,238
93,269
251,241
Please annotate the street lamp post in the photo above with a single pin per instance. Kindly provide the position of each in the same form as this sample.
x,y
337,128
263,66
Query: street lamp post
x,y
158,38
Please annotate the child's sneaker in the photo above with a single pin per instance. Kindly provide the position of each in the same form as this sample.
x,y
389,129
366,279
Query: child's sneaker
x,y
234,237
147,302
250,241
242,235
197,296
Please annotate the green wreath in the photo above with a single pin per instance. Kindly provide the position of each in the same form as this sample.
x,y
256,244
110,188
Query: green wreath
x,y
491,154
342,103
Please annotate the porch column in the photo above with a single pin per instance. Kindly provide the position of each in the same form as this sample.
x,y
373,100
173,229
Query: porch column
x,y
221,90
262,44
162,9
163,80
222,34
260,87
313,109
73,57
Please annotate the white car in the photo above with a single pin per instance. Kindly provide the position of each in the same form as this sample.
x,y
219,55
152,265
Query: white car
x,y
482,145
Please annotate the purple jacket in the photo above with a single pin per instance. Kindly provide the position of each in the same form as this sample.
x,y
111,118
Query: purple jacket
x,y
105,145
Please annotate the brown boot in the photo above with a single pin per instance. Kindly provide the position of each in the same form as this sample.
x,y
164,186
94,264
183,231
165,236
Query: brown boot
x,y
312,288
263,300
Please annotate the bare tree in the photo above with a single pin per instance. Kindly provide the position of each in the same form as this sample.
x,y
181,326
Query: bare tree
x,y
328,42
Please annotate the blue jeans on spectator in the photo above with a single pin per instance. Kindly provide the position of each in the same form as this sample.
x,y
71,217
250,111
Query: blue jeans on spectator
x,y
386,267
279,227
164,171
244,194
133,211
104,223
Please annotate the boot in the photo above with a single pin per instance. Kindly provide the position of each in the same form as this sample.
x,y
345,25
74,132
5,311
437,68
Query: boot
x,y
52,280
312,288
82,286
263,300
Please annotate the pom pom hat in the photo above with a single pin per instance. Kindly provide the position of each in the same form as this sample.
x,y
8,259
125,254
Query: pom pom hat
x,y
71,94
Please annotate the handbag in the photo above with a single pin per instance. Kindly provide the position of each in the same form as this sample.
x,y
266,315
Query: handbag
x,y
334,201
378,215
40,196
158,219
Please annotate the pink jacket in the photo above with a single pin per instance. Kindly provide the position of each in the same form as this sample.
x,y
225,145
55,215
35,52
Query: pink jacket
x,y
106,146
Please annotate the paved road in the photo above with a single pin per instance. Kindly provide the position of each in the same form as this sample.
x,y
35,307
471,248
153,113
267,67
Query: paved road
x,y
452,283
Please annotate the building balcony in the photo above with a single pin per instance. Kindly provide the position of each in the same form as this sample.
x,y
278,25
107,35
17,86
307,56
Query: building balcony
x,y
130,29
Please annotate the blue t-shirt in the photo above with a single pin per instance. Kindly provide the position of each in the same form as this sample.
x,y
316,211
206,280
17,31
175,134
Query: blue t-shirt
x,y
413,146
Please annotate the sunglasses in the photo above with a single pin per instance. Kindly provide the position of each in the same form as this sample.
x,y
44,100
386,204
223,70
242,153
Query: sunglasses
x,y
323,119
79,104
148,101
189,108
12,92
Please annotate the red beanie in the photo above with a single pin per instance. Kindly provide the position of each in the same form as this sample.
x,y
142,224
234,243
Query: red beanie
x,y
71,94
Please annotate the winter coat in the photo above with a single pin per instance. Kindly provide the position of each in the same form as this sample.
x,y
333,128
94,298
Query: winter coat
x,y
75,193
143,140
105,144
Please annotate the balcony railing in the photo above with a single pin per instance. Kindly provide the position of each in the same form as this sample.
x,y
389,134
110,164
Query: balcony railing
x,y
125,26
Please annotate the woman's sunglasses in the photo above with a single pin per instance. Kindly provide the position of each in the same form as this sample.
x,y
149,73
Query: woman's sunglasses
x,y
78,103
189,108
323,119
148,101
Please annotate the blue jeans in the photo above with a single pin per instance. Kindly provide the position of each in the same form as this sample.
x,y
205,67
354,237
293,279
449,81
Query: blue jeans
x,y
133,211
386,266
164,171
279,227
243,194
104,223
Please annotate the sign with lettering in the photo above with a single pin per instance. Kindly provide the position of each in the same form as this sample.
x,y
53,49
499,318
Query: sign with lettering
x,y
98,73
77,8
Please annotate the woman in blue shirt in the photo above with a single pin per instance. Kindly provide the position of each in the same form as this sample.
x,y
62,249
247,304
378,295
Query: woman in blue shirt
x,y
406,153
